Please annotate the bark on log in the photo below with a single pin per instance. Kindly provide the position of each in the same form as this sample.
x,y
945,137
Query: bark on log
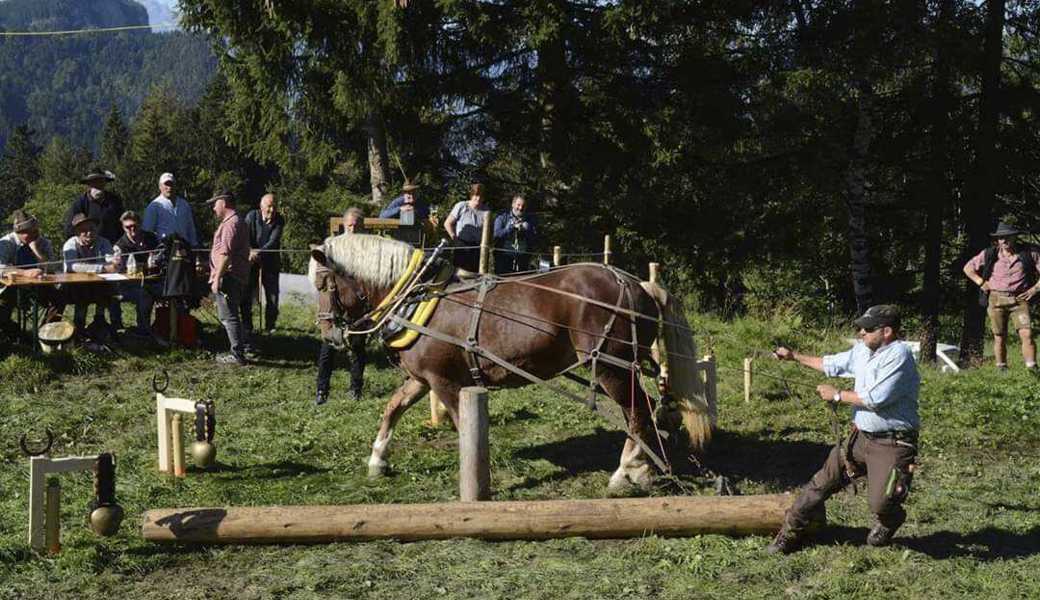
x,y
519,520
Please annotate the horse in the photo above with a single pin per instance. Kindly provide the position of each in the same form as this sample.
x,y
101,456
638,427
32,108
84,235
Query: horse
x,y
540,323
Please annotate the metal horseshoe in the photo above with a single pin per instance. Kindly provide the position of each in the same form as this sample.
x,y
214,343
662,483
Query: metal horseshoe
x,y
46,449
161,380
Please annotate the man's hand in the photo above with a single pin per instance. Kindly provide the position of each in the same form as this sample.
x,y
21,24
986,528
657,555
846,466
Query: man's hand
x,y
109,268
1027,295
826,392
434,220
782,353
214,284
407,208
254,255
35,247
985,286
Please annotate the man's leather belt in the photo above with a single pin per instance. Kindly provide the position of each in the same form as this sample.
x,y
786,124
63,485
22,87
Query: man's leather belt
x,y
907,435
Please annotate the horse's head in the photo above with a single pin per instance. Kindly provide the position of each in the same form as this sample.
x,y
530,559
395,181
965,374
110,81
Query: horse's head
x,y
342,299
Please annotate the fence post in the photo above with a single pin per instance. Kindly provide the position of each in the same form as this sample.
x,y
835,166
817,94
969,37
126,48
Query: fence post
x,y
485,246
606,250
474,456
747,379
557,256
711,380
655,272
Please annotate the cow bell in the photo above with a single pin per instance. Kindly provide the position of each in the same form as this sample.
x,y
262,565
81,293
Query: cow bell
x,y
204,453
105,520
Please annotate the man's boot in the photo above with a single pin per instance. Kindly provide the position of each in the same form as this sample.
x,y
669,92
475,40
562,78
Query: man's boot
x,y
321,398
787,540
355,393
881,535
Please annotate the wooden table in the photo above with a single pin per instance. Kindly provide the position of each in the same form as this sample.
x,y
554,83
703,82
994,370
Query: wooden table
x,y
31,284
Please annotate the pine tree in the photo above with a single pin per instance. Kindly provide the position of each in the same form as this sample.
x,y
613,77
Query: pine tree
x,y
62,163
115,140
19,169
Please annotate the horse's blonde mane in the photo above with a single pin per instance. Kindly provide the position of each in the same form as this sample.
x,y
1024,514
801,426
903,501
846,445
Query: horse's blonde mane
x,y
371,259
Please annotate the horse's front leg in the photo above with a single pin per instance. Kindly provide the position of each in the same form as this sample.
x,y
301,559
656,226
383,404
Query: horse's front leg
x,y
403,397
634,468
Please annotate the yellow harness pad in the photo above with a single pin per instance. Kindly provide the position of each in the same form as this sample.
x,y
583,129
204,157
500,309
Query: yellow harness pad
x,y
406,337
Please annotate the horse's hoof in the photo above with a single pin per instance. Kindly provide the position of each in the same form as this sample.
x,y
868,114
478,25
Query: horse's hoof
x,y
622,484
377,469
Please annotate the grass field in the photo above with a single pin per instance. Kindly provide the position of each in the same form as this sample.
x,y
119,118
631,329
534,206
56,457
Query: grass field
x,y
974,514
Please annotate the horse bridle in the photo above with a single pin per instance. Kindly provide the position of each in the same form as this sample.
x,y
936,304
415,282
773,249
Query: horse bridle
x,y
340,318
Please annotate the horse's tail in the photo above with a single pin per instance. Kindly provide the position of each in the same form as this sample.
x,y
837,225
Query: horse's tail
x,y
679,367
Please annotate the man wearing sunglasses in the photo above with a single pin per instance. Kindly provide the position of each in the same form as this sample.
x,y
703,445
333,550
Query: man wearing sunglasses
x,y
883,443
140,244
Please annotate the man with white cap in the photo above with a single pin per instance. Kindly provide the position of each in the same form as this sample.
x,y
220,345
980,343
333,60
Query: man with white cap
x,y
169,213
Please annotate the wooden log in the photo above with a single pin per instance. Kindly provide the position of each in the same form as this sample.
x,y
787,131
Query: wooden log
x,y
747,379
474,454
52,524
486,264
519,520
557,256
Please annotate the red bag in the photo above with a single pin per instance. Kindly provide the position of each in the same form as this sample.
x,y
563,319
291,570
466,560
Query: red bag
x,y
187,333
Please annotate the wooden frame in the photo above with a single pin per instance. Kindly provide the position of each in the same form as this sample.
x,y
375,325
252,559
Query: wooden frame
x,y
39,468
170,451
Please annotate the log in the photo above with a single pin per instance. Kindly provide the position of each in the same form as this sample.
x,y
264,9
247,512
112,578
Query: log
x,y
474,455
517,520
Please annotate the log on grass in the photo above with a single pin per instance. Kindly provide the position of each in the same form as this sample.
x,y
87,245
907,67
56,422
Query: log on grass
x,y
518,520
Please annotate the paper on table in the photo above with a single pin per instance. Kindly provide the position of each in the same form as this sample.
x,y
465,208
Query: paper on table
x,y
113,276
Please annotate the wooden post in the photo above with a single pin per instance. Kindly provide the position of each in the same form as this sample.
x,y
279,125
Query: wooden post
x,y
747,379
486,264
557,256
474,456
710,378
164,410
655,272
178,445
665,516
606,250
52,523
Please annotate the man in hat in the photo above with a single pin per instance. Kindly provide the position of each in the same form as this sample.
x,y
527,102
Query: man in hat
x,y
141,245
170,214
1008,275
26,253
265,227
88,252
407,202
883,443
325,282
228,270
514,238
99,204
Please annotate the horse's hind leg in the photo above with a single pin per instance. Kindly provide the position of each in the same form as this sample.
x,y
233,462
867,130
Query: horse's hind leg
x,y
403,397
635,468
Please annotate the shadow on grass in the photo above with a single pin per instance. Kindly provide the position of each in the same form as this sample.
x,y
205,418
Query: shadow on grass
x,y
985,545
277,470
775,462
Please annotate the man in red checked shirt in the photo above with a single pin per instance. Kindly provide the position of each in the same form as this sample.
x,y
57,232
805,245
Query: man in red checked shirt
x,y
228,271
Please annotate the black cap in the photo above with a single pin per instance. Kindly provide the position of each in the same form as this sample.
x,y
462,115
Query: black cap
x,y
880,315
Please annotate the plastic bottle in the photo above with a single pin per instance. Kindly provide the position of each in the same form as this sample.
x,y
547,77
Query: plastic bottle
x,y
131,265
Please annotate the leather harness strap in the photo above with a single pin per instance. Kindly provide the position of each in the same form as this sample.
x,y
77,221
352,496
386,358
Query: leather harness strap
x,y
472,357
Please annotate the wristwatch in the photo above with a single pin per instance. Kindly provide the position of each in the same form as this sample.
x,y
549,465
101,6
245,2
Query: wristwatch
x,y
837,398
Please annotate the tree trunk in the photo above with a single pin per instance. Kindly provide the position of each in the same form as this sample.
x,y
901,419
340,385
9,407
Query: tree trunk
x,y
978,214
936,191
856,199
552,73
378,160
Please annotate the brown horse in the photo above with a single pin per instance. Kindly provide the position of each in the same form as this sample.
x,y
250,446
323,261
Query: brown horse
x,y
540,324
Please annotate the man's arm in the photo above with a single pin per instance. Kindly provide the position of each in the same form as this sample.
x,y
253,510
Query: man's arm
x,y
813,362
1027,295
971,271
503,225
150,220
449,223
275,241
392,210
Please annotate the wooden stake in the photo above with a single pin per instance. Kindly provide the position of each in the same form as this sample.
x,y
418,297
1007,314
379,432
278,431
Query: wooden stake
x,y
711,379
519,520
474,456
178,446
606,250
747,380
52,522
655,272
486,265
557,256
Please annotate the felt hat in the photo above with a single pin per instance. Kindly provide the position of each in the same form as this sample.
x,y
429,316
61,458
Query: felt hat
x,y
409,186
22,221
1005,230
224,195
98,175
81,218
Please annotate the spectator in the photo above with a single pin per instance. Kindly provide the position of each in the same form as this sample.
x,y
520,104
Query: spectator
x,y
408,201
139,244
169,213
88,252
228,270
99,204
325,281
265,263
26,253
465,226
1007,275
515,233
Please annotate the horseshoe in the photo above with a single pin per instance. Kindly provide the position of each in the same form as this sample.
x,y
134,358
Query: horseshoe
x,y
46,449
161,380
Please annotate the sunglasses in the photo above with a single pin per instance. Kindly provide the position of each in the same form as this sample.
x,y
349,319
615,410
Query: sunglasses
x,y
129,225
870,329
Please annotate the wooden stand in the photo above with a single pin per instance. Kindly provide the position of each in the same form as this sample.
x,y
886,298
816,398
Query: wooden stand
x,y
169,434
474,455
521,520
486,262
44,502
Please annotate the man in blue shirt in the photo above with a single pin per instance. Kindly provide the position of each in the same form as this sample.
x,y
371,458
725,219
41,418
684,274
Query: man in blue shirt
x,y
170,214
406,202
883,443
515,238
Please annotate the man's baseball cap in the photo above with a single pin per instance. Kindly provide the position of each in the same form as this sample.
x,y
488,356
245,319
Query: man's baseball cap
x,y
880,315
166,177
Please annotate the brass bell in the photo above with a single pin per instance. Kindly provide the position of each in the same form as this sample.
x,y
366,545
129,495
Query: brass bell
x,y
105,520
204,453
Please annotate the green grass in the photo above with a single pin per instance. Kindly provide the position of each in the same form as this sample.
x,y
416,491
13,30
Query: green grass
x,y
973,529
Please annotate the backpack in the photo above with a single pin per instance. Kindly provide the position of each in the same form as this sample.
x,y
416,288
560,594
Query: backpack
x,y
989,261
